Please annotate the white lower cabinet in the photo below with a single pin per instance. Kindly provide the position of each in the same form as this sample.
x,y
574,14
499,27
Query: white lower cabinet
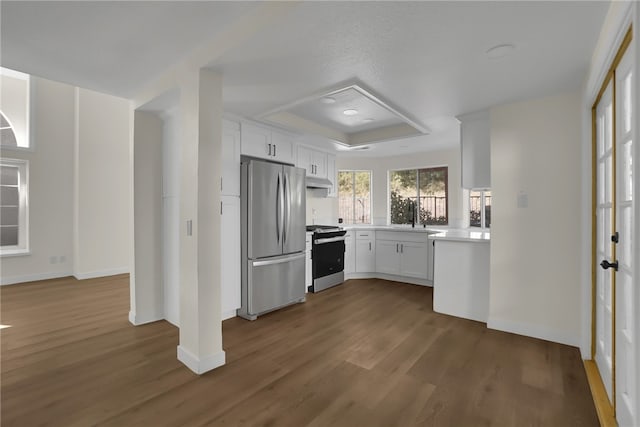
x,y
403,254
349,253
387,257
365,251
308,267
413,259
230,259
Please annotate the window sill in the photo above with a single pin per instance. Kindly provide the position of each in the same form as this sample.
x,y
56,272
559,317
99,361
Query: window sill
x,y
14,252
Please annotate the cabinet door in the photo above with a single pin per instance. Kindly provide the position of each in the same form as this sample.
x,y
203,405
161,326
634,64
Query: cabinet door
x,y
230,259
430,247
365,255
304,160
308,268
256,141
230,180
319,161
282,147
350,254
413,259
332,175
387,257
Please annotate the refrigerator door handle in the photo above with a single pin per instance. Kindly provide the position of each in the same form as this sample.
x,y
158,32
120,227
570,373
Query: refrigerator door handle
x,y
287,210
278,209
281,204
279,260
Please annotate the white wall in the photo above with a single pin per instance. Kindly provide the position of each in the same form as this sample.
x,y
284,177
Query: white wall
x,y
102,185
171,216
78,185
535,250
320,209
381,165
50,186
147,155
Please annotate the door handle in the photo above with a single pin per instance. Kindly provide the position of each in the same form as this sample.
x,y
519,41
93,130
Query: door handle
x,y
401,249
269,149
369,246
274,150
606,264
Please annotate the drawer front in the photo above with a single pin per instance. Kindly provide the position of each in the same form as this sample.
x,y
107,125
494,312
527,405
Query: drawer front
x,y
365,234
402,236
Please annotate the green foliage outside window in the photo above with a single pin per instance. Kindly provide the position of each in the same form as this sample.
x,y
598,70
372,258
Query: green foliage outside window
x,y
425,190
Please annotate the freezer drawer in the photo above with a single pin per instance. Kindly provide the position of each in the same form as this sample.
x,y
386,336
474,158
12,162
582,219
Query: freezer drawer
x,y
274,283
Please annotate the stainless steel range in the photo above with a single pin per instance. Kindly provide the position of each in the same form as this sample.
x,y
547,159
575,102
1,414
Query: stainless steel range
x,y
327,256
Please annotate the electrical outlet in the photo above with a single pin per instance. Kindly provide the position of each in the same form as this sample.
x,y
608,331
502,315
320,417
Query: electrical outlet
x,y
63,259
53,259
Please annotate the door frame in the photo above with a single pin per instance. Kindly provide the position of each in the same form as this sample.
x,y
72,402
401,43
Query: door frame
x,y
606,409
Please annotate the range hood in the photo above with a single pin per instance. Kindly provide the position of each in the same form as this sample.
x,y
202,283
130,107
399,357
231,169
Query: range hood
x,y
313,182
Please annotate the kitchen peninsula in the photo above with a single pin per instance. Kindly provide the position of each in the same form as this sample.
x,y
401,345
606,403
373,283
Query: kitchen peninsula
x,y
461,274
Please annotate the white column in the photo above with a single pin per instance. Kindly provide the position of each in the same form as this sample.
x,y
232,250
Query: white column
x,y
200,312
146,278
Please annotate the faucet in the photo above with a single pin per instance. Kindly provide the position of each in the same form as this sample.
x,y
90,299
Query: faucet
x,y
412,207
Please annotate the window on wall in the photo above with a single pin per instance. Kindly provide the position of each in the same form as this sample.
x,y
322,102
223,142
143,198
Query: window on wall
x,y
354,197
480,209
420,196
13,206
14,109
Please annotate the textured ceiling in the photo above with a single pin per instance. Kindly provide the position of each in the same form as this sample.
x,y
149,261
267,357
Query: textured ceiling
x,y
427,58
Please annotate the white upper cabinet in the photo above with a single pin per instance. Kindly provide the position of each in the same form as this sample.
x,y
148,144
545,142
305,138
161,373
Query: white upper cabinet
x,y
332,174
315,162
230,180
475,140
283,147
264,143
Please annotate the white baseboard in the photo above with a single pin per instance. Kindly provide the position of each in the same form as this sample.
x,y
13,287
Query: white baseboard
x,y
200,366
391,277
534,331
141,320
101,273
229,314
32,277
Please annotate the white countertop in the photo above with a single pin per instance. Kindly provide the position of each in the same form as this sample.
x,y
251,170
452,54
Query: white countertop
x,y
463,235
417,229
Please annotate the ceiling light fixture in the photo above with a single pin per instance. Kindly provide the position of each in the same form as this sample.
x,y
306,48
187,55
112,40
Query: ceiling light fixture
x,y
350,112
368,120
500,50
328,100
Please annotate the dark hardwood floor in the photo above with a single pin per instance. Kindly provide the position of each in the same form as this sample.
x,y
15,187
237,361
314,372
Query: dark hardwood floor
x,y
367,353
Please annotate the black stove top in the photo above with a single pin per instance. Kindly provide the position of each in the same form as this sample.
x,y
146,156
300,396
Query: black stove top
x,y
323,228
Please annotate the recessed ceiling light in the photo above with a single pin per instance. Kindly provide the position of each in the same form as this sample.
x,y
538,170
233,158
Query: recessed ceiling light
x,y
500,50
328,100
368,120
350,112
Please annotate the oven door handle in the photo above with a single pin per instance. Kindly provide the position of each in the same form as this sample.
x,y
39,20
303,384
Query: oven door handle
x,y
329,240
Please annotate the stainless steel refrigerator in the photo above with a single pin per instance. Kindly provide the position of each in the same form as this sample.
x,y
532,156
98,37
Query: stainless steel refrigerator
x,y
273,213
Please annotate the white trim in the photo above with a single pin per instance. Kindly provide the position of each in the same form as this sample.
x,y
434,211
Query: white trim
x,y
138,320
101,273
200,366
390,277
13,280
534,331
23,247
613,30
76,180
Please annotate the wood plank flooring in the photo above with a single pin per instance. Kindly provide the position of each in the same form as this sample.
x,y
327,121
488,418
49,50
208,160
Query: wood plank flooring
x,y
366,353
